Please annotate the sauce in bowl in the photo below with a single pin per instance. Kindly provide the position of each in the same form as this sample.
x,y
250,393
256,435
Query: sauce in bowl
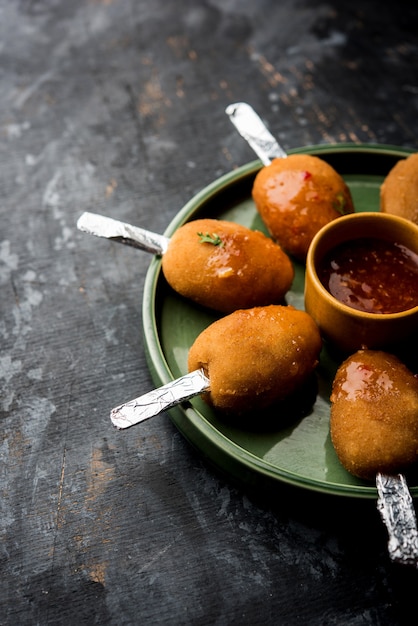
x,y
372,275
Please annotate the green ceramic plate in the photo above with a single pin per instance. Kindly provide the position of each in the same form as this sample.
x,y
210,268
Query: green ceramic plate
x,y
299,454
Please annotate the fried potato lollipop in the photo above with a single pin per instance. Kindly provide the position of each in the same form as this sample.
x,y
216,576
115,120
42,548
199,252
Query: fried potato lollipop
x,y
374,414
296,197
256,357
399,190
225,266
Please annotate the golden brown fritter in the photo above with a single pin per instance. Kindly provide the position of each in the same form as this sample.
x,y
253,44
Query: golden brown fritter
x,y
296,196
226,266
374,414
256,357
399,190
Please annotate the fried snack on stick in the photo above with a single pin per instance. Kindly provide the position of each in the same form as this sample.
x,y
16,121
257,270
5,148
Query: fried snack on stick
x,y
216,263
374,414
225,266
295,194
296,197
246,361
256,357
399,190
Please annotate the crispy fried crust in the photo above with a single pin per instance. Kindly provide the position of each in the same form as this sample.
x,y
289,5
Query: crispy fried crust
x,y
244,270
374,414
296,197
256,357
399,191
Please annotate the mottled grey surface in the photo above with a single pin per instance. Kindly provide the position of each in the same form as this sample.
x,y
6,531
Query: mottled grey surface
x,y
117,107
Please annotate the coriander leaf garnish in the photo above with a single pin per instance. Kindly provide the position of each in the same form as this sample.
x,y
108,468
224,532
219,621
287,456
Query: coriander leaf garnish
x,y
339,204
213,238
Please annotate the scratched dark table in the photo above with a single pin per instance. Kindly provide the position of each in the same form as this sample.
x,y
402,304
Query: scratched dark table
x,y
118,107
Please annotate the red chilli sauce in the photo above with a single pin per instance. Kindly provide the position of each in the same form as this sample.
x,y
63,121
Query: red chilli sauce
x,y
372,275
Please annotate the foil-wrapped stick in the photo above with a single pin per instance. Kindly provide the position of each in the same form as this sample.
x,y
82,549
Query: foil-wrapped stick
x,y
373,428
394,503
154,402
286,343
397,511
253,130
109,228
296,194
218,264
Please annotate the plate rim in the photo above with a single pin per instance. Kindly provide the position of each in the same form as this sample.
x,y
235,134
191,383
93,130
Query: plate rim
x,y
188,419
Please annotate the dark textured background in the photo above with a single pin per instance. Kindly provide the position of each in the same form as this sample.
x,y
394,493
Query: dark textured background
x,y
117,106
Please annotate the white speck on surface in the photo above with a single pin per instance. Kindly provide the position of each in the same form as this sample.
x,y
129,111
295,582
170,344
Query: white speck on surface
x,y
51,197
66,239
22,311
30,159
29,276
25,94
8,367
14,131
9,261
35,373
